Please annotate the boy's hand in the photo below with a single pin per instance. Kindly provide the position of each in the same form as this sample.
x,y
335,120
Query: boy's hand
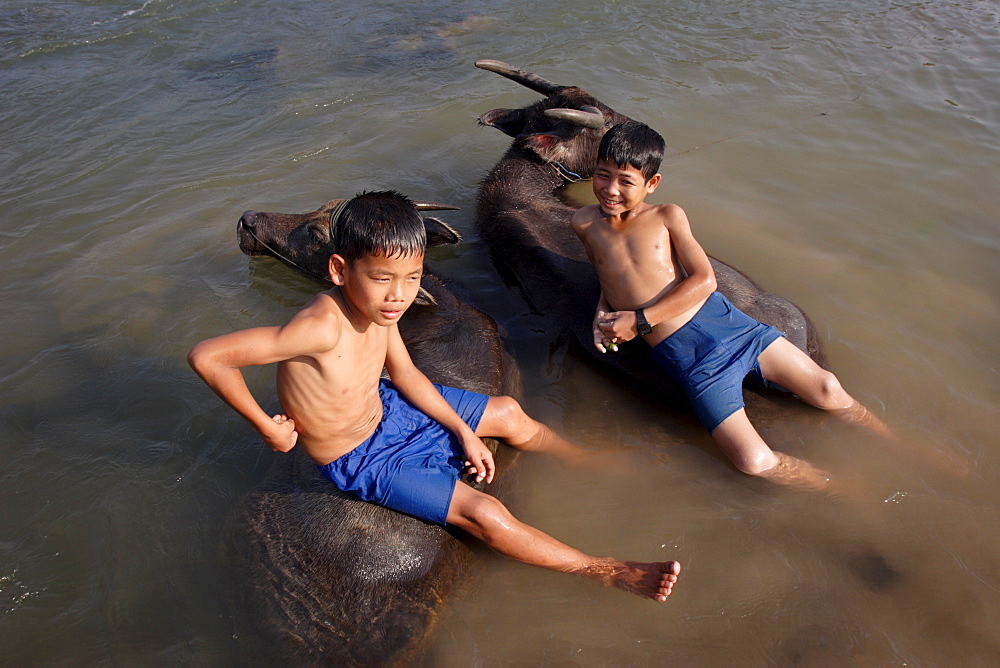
x,y
601,341
282,436
617,326
479,459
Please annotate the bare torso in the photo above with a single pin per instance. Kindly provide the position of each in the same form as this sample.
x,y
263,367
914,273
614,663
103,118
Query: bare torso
x,y
332,395
635,262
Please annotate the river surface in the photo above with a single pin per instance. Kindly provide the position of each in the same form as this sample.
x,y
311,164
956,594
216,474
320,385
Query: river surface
x,y
844,154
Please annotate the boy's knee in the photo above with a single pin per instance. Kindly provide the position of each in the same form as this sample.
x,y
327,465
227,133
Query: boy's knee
x,y
508,418
505,408
831,394
484,511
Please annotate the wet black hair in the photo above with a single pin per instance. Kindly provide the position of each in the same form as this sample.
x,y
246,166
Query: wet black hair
x,y
633,144
383,222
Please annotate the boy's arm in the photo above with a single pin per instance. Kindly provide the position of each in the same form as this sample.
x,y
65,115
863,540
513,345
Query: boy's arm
x,y
700,280
579,222
416,387
218,361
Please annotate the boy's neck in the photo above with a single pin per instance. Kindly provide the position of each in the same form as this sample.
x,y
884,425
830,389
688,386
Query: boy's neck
x,y
360,322
623,218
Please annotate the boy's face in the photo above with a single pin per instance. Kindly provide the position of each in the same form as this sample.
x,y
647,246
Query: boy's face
x,y
379,288
621,189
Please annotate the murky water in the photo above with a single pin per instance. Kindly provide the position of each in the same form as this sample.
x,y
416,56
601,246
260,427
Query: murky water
x,y
843,154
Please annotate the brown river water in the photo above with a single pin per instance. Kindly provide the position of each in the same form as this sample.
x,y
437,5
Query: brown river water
x,y
845,155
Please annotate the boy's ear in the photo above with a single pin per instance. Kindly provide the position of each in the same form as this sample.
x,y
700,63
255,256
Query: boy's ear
x,y
336,268
653,181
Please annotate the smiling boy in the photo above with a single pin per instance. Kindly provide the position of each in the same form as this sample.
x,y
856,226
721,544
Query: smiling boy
x,y
658,283
401,443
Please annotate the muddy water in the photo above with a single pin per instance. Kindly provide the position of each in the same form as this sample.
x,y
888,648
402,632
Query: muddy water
x,y
841,154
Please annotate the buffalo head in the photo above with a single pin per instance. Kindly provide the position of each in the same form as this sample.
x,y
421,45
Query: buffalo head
x,y
302,240
563,130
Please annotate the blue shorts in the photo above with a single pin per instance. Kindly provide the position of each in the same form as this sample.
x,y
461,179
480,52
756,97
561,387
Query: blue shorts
x,y
710,355
410,463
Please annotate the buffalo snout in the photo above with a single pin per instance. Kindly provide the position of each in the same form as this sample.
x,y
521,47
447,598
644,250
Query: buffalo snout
x,y
245,233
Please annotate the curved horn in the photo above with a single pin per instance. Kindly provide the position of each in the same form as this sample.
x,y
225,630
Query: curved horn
x,y
588,117
433,206
532,81
424,298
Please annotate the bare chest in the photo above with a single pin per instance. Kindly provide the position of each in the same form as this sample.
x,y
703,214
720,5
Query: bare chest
x,y
647,252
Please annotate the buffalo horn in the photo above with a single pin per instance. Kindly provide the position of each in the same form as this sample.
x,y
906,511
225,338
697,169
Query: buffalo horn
x,y
588,117
532,81
433,206
424,298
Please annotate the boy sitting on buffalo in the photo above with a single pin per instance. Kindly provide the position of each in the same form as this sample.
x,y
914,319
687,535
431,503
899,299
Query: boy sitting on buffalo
x,y
658,283
405,442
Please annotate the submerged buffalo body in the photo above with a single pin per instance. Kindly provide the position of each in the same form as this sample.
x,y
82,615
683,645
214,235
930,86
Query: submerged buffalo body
x,y
527,225
329,578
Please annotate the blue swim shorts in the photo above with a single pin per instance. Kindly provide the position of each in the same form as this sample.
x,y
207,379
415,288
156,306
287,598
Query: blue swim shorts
x,y
710,355
410,463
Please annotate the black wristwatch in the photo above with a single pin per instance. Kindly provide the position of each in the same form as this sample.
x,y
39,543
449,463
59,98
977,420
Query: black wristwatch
x,y
641,324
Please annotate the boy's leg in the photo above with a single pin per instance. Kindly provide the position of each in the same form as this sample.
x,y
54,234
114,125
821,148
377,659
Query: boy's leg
x,y
505,419
488,519
739,441
783,363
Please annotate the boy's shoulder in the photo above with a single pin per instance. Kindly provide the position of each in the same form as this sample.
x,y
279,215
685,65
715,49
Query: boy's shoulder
x,y
585,215
323,304
665,213
321,318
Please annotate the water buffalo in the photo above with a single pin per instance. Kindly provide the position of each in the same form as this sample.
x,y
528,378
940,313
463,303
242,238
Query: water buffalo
x,y
521,216
331,579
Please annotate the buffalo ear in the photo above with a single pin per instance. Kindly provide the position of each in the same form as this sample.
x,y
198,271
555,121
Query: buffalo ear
x,y
440,233
508,121
320,233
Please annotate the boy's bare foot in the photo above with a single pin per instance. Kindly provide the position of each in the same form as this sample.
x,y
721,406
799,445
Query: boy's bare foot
x,y
649,580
